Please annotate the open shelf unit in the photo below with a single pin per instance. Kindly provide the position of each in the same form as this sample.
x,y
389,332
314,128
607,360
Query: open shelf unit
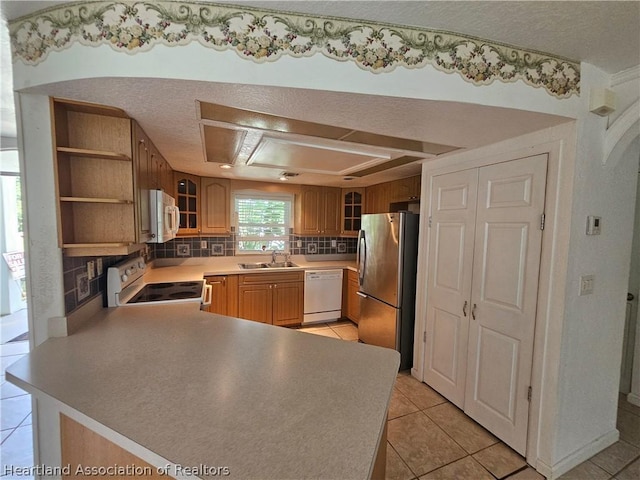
x,y
95,179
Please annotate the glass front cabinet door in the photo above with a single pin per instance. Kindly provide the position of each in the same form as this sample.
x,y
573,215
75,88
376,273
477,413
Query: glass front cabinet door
x,y
352,208
188,199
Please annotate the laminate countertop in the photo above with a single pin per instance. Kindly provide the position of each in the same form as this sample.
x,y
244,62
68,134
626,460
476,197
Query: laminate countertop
x,y
202,389
175,270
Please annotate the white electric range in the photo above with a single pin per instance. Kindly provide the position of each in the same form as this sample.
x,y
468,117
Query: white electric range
x,y
126,286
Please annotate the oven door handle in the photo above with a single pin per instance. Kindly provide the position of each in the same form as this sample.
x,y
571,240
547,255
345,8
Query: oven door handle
x,y
208,295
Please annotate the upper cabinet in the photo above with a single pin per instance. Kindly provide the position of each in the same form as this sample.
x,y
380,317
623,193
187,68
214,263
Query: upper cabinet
x,y
188,201
393,196
317,211
142,169
405,189
215,206
95,179
151,172
352,209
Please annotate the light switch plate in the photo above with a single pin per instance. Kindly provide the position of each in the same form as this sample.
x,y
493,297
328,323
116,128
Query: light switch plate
x,y
334,243
203,244
586,284
594,224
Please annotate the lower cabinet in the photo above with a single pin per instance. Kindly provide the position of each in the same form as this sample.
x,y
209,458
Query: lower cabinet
x,y
353,299
85,452
274,298
224,294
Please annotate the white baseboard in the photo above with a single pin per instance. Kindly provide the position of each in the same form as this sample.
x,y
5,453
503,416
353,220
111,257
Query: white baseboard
x,y
633,398
551,472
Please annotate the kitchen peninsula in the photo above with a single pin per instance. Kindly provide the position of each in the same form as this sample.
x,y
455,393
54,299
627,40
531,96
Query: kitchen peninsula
x,y
176,386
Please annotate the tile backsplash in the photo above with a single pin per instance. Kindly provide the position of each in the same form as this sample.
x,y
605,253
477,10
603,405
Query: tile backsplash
x,y
79,290
225,246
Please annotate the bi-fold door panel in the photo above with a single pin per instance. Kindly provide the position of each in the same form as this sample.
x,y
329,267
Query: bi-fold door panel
x,y
484,254
504,296
449,281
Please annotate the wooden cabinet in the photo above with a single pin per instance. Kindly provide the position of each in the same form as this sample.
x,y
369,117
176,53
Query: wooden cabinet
x,y
83,450
353,299
352,209
377,198
405,189
392,196
188,200
142,161
274,298
94,179
215,216
224,294
150,173
317,211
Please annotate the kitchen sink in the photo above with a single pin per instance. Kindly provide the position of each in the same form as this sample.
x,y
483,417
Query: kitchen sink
x,y
281,265
251,266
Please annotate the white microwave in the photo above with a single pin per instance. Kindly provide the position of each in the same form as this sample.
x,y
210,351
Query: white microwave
x,y
165,216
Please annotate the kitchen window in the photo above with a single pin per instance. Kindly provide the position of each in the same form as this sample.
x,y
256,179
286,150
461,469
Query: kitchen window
x,y
263,222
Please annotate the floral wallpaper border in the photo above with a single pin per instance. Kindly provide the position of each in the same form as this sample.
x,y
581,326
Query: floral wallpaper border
x,y
265,36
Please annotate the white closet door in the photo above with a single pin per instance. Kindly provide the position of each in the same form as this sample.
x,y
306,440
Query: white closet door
x,y
451,239
504,295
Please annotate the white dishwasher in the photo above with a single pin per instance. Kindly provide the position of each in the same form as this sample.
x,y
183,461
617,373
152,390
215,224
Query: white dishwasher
x,y
322,296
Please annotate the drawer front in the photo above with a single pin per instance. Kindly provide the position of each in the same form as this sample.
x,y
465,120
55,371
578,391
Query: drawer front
x,y
271,277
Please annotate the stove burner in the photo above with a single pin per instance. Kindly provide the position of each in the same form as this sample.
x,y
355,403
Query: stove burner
x,y
185,294
169,292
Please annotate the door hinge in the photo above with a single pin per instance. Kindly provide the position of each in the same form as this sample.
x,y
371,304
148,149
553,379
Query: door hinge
x,y
542,219
529,394
429,222
424,337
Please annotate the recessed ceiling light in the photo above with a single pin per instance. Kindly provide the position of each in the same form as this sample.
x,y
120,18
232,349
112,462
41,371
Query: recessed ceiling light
x,y
284,176
226,166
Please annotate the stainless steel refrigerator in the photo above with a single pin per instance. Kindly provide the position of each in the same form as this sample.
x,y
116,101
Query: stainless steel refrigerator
x,y
387,263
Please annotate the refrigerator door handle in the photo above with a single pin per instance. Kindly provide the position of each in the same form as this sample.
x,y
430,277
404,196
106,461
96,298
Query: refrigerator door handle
x,y
362,295
362,256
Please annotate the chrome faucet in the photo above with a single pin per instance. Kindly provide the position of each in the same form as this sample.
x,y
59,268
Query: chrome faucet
x,y
274,256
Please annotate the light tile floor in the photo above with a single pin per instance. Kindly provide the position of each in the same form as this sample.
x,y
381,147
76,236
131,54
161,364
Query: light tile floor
x,y
429,438
15,404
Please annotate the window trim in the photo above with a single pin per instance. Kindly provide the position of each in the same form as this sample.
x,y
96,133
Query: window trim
x,y
262,195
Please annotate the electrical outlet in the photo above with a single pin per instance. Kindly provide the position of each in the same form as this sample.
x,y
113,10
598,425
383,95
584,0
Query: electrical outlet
x,y
99,266
91,269
334,243
203,244
299,243
586,284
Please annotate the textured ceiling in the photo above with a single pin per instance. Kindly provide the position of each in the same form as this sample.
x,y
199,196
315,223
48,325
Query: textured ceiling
x,y
606,34
166,112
